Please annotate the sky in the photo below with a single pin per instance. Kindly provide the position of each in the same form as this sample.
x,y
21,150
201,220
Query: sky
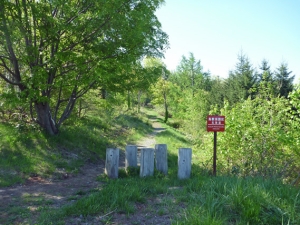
x,y
216,31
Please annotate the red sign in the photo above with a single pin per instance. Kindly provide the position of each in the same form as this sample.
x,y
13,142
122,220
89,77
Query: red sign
x,y
215,123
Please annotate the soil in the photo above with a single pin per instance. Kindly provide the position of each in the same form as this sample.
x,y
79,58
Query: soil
x,y
36,192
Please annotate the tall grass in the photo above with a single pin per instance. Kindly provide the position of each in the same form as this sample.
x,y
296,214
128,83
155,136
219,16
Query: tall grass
x,y
202,199
27,151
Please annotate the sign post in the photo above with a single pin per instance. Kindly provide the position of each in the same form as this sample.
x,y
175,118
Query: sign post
x,y
215,155
215,124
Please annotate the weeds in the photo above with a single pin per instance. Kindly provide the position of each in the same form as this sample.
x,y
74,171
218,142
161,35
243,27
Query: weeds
x,y
82,139
202,199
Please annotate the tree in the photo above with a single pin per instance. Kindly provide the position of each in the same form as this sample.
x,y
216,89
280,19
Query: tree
x,y
283,80
266,76
161,88
242,81
189,74
217,92
141,76
55,51
266,73
261,138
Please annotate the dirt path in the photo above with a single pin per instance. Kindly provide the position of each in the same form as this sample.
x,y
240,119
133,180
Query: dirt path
x,y
37,191
149,140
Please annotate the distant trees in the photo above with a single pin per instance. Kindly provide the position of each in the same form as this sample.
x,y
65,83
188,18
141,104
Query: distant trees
x,y
190,75
283,80
217,92
160,89
242,81
280,81
188,88
245,81
193,93
265,73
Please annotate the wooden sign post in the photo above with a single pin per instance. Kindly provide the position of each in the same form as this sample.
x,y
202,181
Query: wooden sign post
x,y
215,124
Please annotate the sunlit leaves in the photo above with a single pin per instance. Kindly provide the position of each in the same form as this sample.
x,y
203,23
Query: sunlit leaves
x,y
55,51
260,138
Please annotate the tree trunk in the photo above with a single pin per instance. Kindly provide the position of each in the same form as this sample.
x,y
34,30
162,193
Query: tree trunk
x,y
166,108
103,93
44,118
139,101
128,100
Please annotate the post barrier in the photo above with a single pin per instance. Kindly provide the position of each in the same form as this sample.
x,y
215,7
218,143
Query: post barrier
x,y
147,162
161,158
112,162
184,163
131,156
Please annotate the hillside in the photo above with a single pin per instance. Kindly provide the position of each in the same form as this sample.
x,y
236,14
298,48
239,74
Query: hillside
x,y
61,179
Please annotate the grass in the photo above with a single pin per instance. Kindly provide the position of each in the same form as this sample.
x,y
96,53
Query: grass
x,y
202,199
206,200
29,152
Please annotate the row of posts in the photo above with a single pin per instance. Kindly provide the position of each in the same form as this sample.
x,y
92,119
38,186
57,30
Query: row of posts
x,y
147,159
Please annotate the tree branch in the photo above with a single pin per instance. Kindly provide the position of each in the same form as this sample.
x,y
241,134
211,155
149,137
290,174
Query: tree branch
x,y
3,64
12,57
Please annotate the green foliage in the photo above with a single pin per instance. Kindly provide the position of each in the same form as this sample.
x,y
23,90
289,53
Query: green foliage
x,y
226,200
266,76
283,80
189,75
202,199
133,171
241,82
266,73
55,51
216,95
259,138
198,200
188,101
116,195
26,152
294,98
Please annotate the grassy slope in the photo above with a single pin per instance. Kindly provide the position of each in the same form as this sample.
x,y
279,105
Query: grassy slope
x,y
204,199
28,152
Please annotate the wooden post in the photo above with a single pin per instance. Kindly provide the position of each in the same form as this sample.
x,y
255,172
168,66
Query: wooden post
x,y
215,155
184,163
161,158
112,163
147,162
131,156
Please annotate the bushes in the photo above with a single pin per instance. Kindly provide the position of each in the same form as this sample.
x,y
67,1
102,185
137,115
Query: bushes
x,y
260,139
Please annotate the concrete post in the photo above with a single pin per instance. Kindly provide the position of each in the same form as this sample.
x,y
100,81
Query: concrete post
x,y
147,162
161,158
112,163
131,156
184,163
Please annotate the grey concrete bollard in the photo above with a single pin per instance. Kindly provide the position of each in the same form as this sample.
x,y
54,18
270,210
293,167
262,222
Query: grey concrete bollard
x,y
184,163
131,156
147,162
112,163
161,158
